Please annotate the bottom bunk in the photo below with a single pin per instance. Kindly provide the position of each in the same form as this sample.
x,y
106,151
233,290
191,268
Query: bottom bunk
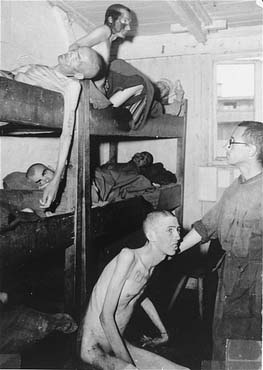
x,y
31,249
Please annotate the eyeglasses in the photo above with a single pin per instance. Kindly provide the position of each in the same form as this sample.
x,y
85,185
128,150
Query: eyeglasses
x,y
232,141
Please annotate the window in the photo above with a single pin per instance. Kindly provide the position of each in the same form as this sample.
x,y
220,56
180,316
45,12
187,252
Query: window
x,y
238,97
235,99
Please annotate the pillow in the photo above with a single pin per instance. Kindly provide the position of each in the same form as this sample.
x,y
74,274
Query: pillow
x,y
18,181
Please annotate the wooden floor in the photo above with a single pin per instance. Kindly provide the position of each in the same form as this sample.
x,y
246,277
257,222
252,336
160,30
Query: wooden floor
x,y
190,341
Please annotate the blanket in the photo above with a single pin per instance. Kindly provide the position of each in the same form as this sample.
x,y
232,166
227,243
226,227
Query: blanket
x,y
48,78
123,74
114,185
21,327
18,181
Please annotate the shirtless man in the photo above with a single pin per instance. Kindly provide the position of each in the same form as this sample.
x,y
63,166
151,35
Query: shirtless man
x,y
115,294
79,64
116,25
40,174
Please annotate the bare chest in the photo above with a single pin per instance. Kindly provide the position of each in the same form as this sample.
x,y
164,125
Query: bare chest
x,y
135,284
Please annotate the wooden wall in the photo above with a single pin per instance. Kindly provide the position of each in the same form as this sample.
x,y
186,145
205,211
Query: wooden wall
x,y
193,64
31,33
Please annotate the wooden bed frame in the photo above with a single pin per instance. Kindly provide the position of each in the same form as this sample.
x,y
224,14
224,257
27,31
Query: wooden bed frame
x,y
34,110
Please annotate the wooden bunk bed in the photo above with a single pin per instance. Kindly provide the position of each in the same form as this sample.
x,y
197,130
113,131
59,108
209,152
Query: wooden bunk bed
x,y
31,110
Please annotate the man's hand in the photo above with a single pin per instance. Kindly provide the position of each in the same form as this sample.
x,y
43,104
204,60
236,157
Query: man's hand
x,y
153,342
49,193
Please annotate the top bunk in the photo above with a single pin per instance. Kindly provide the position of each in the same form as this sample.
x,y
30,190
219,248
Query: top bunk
x,y
32,110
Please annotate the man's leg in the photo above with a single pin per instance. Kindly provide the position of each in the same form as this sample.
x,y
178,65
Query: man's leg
x,y
101,360
147,360
122,96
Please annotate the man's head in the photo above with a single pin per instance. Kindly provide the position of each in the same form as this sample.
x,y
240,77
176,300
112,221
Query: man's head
x,y
246,143
81,63
118,18
40,174
143,159
162,230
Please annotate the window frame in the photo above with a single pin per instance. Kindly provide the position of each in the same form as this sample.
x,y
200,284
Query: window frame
x,y
257,60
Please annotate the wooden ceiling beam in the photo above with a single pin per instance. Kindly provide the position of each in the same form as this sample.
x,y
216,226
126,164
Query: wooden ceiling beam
x,y
201,12
73,14
187,18
216,25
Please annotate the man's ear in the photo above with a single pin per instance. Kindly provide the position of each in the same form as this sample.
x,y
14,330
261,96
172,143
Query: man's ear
x,y
151,235
110,19
252,150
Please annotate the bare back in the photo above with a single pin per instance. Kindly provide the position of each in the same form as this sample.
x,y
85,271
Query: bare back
x,y
99,40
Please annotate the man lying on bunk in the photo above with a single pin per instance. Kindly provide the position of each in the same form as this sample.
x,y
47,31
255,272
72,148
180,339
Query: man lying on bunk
x,y
41,175
118,289
80,64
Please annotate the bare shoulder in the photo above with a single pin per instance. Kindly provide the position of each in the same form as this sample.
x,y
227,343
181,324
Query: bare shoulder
x,y
103,31
126,256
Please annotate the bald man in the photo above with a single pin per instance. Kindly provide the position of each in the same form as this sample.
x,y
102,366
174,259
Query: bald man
x,y
115,295
63,78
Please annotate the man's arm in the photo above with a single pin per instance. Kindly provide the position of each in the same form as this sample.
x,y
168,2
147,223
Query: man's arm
x,y
71,96
206,228
151,311
190,240
107,317
98,35
48,78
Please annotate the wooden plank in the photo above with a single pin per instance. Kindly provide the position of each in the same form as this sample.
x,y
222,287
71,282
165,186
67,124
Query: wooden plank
x,y
83,200
188,19
180,164
31,105
70,280
113,152
201,12
35,238
26,104
165,126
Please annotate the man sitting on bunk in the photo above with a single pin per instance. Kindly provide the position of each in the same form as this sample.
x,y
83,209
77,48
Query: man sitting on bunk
x,y
116,25
118,289
130,91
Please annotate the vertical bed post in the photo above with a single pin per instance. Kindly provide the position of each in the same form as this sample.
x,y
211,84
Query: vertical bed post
x,y
180,165
83,198
113,152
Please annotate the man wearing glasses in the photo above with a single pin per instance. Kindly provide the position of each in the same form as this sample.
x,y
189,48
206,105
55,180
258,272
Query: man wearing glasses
x,y
237,221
